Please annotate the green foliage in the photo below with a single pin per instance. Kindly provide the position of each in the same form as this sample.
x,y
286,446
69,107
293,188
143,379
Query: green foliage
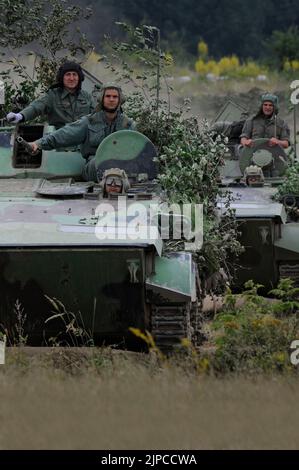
x,y
46,25
291,182
289,296
44,21
141,61
283,46
256,336
18,96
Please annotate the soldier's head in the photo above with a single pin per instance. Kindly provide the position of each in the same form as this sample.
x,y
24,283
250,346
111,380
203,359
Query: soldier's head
x,y
253,175
111,98
269,104
70,76
114,181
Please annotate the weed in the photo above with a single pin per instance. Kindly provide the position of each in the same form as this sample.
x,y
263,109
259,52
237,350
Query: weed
x,y
14,329
150,342
75,333
21,320
257,335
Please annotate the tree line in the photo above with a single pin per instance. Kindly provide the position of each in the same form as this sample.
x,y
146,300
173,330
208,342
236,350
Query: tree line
x,y
240,27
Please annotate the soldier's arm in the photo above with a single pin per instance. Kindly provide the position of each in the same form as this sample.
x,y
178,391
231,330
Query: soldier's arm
x,y
92,104
284,137
245,137
36,108
71,134
283,143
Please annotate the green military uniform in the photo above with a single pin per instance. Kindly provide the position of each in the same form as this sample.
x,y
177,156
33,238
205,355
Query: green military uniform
x,y
261,126
88,131
60,106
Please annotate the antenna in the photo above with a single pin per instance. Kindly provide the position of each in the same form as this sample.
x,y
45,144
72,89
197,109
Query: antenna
x,y
2,99
158,66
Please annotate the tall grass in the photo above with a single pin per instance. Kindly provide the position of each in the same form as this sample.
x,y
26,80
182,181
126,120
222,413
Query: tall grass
x,y
127,401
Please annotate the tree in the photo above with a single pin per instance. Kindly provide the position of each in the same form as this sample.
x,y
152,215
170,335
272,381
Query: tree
x,y
49,27
229,27
284,45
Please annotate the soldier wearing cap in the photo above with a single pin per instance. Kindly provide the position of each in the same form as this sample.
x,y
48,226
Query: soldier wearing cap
x,y
266,124
65,101
89,131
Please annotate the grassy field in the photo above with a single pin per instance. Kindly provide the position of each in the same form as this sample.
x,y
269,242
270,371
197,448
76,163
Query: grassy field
x,y
112,400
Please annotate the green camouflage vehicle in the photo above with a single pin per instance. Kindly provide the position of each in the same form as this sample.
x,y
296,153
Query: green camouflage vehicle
x,y
268,225
60,269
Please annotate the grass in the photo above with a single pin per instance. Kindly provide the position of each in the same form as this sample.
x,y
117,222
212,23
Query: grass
x,y
102,399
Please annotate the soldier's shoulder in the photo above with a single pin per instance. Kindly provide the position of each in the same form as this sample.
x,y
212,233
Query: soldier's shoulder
x,y
95,118
252,117
55,91
127,122
46,95
281,122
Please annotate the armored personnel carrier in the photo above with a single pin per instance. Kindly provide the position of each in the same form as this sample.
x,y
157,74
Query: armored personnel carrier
x,y
269,229
61,266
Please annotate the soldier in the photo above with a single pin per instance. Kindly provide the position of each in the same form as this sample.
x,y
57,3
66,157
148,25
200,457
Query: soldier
x,y
266,124
253,176
64,102
89,131
115,180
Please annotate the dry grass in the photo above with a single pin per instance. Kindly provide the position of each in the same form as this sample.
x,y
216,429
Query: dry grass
x,y
123,401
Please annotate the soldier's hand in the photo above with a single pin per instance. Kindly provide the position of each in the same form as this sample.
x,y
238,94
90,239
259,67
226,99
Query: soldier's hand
x,y
247,142
14,118
34,146
273,141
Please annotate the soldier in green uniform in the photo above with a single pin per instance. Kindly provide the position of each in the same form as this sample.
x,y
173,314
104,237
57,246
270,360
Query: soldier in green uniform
x,y
64,103
89,131
266,124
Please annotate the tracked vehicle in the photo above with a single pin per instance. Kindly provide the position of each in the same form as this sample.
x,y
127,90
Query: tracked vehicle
x,y
57,261
269,229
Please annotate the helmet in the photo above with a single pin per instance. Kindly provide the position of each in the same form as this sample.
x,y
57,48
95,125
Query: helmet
x,y
69,67
112,172
253,172
272,98
112,86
